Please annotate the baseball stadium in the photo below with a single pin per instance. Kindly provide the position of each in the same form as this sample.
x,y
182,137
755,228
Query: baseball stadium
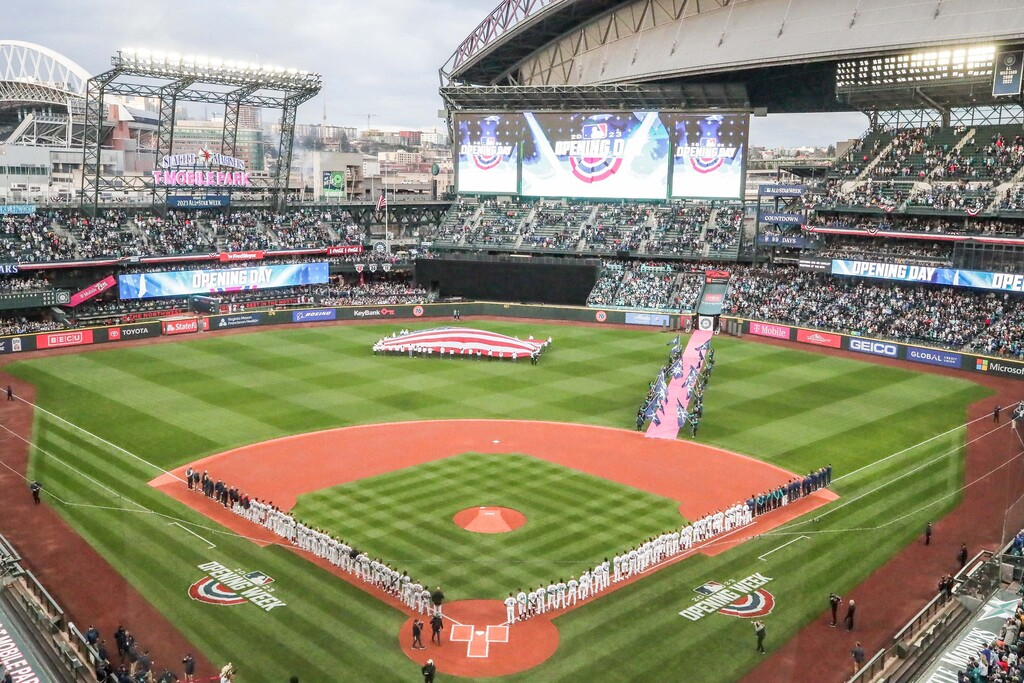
x,y
598,390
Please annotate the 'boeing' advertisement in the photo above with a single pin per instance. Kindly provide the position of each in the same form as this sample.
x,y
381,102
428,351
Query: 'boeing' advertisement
x,y
488,153
185,282
595,155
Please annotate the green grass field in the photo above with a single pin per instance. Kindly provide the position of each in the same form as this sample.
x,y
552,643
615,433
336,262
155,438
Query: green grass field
x,y
405,516
171,403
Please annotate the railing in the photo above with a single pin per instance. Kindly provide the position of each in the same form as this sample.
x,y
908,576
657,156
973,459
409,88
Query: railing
x,y
978,580
64,644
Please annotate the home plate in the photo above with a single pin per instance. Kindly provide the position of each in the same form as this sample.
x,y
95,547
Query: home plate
x,y
495,441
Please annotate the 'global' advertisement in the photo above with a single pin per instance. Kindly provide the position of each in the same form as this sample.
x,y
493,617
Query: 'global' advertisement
x,y
945,359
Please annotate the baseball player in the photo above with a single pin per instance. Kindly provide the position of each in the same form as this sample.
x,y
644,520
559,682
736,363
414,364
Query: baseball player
x,y
585,585
552,596
510,609
541,595
617,567
521,601
560,595
572,591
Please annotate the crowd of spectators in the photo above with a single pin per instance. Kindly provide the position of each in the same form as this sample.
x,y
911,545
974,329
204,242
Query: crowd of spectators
x,y
962,196
1013,199
354,291
940,316
32,238
24,325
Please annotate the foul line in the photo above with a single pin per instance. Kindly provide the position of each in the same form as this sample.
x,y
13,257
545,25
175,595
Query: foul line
x,y
908,448
889,482
761,557
100,438
183,528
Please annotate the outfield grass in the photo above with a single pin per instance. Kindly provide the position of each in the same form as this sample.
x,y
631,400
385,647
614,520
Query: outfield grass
x,y
406,517
171,403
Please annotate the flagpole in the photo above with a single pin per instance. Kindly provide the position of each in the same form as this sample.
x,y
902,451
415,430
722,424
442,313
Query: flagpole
x,y
387,237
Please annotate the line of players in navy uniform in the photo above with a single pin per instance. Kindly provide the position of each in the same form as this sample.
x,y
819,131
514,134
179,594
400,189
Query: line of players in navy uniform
x,y
791,491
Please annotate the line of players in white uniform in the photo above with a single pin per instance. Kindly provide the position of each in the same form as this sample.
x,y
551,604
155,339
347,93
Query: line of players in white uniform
x,y
416,596
563,594
519,606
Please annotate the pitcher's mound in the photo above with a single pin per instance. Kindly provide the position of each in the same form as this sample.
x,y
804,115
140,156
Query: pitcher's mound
x,y
489,520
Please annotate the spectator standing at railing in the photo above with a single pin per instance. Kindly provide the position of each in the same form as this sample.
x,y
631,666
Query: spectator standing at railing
x,y
961,556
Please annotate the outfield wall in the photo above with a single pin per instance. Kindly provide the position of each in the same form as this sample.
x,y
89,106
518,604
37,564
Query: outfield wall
x,y
958,360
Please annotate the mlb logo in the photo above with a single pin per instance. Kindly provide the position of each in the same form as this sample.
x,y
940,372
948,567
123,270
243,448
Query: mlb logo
x,y
259,578
488,140
981,365
595,131
709,588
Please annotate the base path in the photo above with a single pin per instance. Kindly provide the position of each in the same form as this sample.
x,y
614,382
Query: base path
x,y
702,478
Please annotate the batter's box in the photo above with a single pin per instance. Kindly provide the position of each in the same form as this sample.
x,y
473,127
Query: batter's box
x,y
478,640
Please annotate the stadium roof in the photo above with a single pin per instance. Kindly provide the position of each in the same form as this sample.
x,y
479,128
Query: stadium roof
x,y
36,74
785,52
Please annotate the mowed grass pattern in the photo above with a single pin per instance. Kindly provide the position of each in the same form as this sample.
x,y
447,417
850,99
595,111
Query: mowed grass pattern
x,y
405,517
171,403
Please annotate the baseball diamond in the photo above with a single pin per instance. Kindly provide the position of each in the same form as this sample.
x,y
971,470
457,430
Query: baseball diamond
x,y
284,392
683,342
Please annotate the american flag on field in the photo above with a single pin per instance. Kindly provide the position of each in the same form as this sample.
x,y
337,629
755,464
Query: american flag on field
x,y
382,202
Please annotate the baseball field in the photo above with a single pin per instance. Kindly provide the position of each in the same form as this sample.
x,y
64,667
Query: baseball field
x,y
109,422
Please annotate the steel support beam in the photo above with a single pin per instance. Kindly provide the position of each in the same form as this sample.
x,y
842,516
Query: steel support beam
x,y
229,134
93,140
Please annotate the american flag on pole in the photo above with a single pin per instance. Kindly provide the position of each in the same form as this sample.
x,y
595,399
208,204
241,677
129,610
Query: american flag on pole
x,y
382,202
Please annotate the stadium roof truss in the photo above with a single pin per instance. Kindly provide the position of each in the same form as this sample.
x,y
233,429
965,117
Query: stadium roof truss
x,y
170,79
37,76
793,55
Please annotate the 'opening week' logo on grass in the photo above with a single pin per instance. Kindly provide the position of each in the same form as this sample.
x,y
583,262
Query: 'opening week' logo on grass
x,y
226,587
744,598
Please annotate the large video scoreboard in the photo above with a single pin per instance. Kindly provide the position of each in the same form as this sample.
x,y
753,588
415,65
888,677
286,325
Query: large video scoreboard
x,y
603,155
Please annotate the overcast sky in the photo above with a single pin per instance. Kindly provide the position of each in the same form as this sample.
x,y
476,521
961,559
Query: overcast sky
x,y
378,57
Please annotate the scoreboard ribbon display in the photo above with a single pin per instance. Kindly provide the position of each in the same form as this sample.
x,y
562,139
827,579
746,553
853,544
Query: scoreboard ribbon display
x,y
186,282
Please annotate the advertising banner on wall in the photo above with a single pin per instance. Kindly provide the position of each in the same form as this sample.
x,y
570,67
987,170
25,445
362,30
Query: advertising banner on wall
x,y
185,282
620,155
92,290
487,158
905,272
770,330
185,201
652,319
